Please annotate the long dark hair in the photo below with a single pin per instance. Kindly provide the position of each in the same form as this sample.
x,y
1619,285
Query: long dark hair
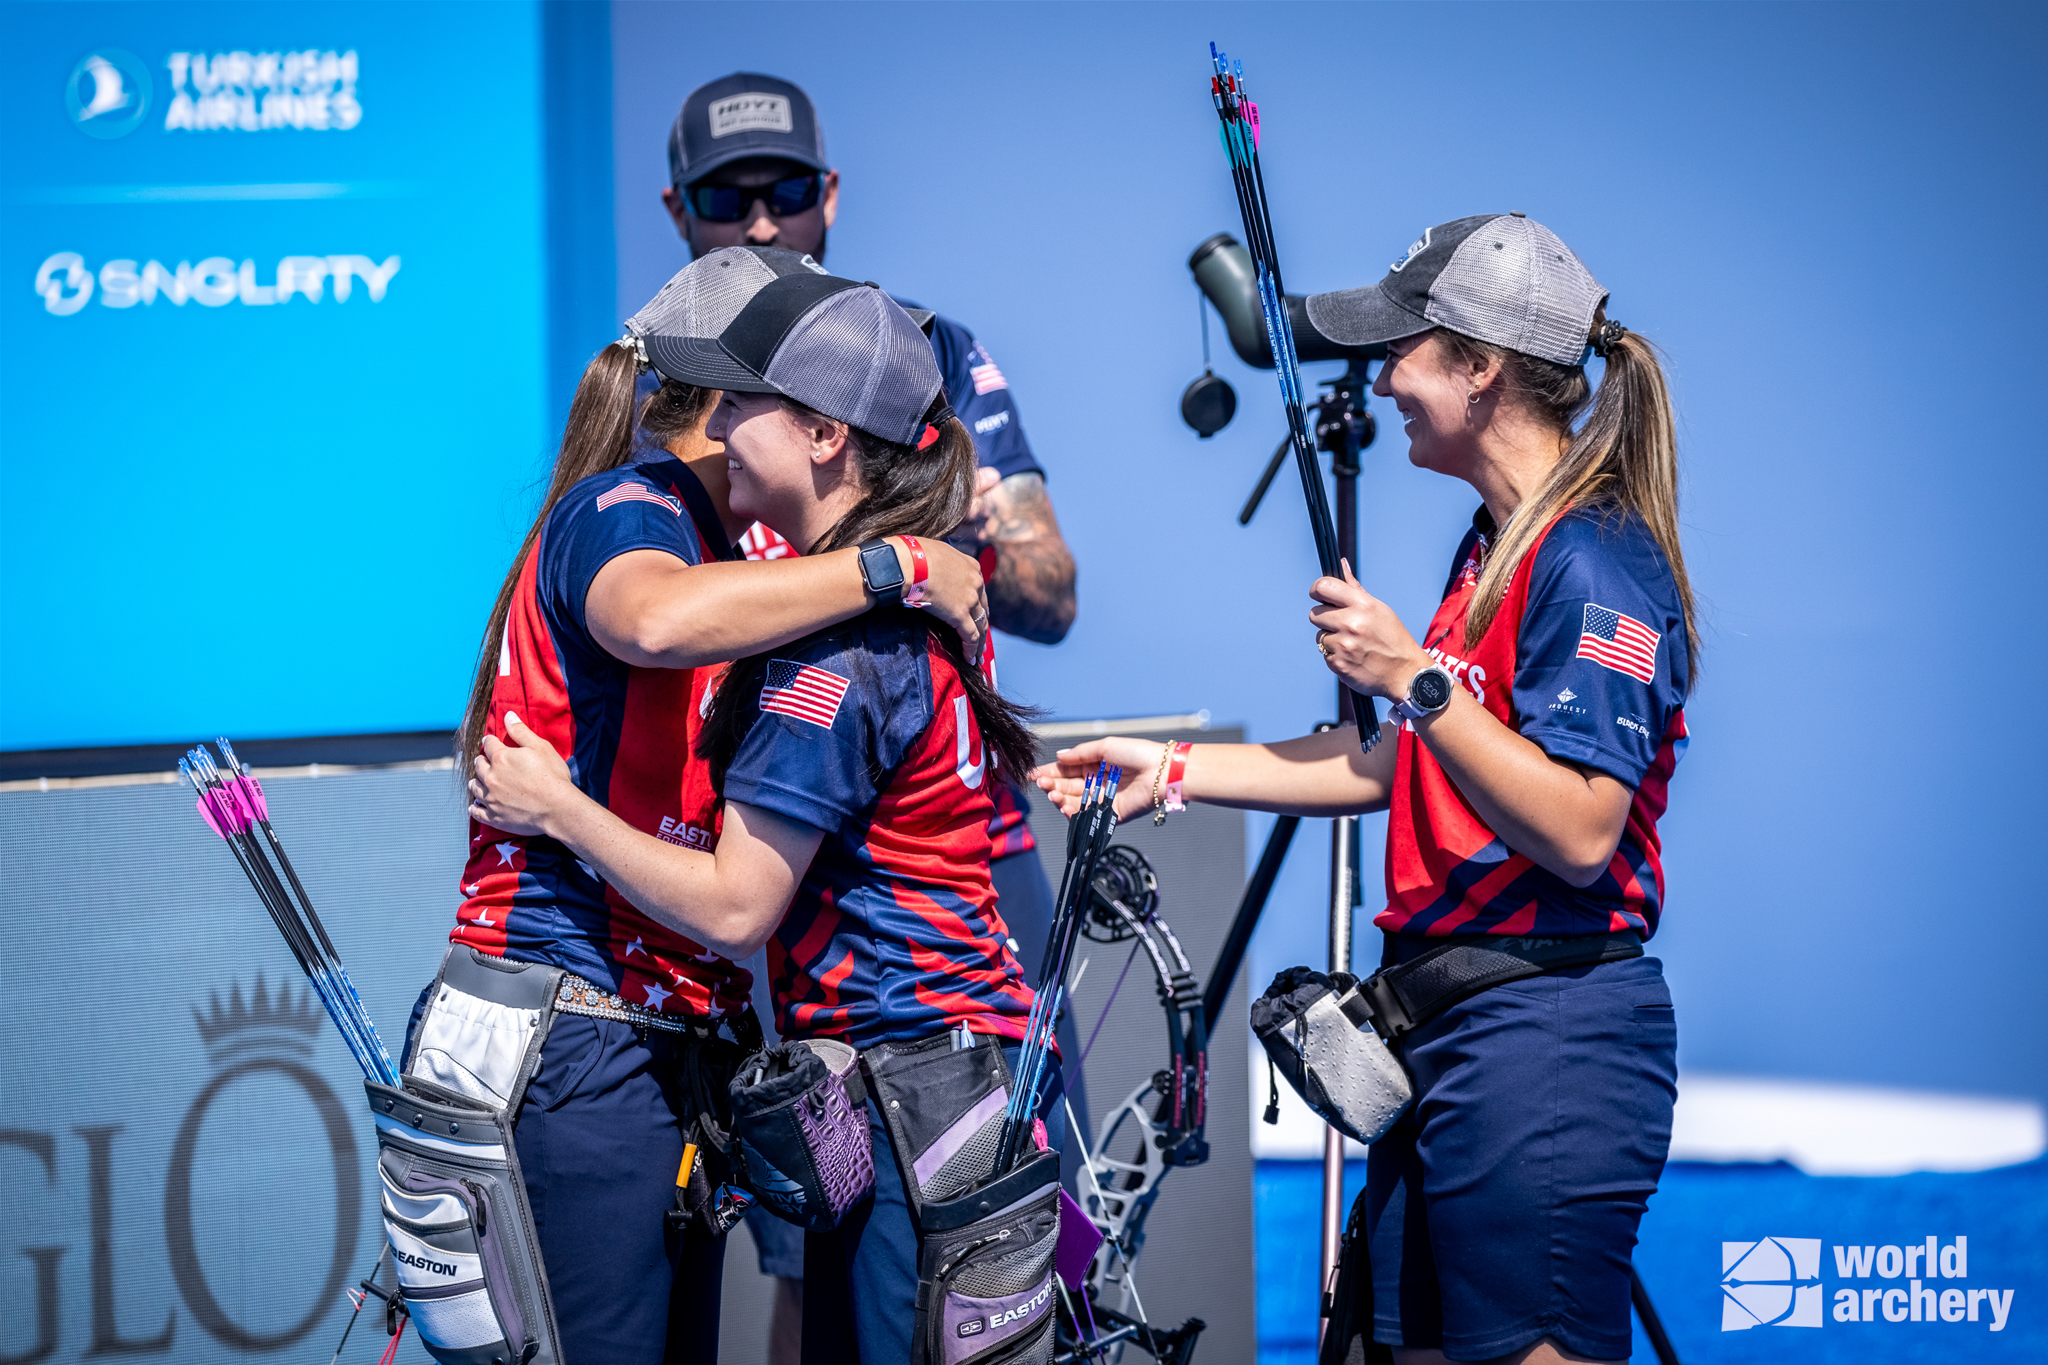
x,y
904,491
599,436
1625,457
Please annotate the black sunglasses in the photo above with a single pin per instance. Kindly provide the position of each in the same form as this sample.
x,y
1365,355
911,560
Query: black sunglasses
x,y
730,203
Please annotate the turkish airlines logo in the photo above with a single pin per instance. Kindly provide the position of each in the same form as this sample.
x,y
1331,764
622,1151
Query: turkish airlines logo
x,y
108,94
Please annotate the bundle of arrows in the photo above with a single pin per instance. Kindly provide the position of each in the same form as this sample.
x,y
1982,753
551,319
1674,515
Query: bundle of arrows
x,y
1088,835
231,802
1240,132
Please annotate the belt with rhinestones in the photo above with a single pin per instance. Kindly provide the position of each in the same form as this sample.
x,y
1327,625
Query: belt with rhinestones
x,y
577,996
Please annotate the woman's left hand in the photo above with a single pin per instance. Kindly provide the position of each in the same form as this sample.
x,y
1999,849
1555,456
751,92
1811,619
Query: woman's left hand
x,y
1362,641
517,787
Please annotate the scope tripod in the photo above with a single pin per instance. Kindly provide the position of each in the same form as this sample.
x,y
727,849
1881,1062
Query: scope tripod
x,y
1344,428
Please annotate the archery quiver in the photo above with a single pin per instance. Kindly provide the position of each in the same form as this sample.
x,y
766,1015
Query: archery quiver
x,y
453,1201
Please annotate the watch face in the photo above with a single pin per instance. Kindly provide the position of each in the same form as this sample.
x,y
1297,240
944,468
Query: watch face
x,y
1431,689
880,567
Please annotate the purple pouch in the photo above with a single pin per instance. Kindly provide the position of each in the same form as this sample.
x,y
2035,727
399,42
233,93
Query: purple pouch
x,y
800,1128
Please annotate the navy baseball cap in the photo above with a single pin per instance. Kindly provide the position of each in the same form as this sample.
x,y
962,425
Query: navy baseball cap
x,y
742,115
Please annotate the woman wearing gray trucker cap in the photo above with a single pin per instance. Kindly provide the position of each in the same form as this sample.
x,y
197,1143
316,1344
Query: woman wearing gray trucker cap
x,y
1539,720
856,768
625,591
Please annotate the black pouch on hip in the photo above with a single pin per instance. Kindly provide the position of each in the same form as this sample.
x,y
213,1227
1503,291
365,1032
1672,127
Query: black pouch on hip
x,y
800,1124
453,1202
985,1268
715,1199
985,1246
943,1106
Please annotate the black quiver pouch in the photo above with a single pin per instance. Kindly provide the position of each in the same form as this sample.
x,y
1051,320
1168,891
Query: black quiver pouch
x,y
985,1245
800,1123
716,1198
453,1202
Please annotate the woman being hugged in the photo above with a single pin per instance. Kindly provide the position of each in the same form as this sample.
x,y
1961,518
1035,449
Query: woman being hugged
x,y
854,765
1540,718
626,585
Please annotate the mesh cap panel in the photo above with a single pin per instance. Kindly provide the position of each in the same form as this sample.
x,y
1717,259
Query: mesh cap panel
x,y
703,298
858,357
1515,284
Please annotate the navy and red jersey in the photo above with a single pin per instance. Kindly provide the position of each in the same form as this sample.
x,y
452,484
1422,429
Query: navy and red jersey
x,y
628,734
1587,658
865,732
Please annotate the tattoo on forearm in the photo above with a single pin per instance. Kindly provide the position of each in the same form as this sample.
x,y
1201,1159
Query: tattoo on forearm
x,y
1033,592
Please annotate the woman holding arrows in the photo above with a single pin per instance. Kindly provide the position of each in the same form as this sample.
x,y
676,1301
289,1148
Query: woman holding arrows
x,y
1539,717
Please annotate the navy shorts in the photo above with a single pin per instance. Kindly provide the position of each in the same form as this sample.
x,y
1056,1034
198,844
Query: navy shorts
x,y
599,1136
860,1279
1502,1208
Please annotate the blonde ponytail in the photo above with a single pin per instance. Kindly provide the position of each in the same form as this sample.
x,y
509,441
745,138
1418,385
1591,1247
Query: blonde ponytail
x,y
1624,456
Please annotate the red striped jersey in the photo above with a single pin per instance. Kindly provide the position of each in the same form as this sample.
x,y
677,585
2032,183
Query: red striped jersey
x,y
1586,658
628,735
893,932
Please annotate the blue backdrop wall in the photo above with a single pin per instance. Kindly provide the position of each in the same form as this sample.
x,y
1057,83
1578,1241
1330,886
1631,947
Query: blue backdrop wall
x,y
290,353
1817,210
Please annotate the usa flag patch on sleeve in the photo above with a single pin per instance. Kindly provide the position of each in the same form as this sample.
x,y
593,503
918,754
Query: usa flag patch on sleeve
x,y
987,378
636,492
804,691
1619,642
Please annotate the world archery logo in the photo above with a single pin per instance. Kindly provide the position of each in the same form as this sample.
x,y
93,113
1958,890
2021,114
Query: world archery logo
x,y
1774,1282
108,93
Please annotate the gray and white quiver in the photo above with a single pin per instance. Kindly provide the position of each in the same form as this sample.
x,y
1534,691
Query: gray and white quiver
x,y
454,1204
1317,1030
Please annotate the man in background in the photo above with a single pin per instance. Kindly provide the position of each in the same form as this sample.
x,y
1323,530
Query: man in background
x,y
747,167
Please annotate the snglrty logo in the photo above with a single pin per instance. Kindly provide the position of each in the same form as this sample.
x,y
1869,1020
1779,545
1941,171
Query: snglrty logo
x,y
1774,1282
108,93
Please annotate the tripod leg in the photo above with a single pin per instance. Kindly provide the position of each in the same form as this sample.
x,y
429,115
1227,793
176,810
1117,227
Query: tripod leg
x,y
1653,1326
1251,504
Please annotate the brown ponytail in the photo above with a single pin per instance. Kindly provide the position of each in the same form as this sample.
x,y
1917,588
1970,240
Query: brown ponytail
x,y
1625,456
599,436
904,491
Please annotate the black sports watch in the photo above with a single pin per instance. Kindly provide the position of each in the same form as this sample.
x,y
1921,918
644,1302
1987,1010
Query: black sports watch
x,y
1428,693
882,572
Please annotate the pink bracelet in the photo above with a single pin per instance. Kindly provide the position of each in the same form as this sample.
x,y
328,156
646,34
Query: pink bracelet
x,y
1174,775
920,570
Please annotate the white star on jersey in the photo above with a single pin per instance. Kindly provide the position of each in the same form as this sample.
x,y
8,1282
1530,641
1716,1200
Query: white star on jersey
x,y
634,947
483,917
655,995
470,890
505,852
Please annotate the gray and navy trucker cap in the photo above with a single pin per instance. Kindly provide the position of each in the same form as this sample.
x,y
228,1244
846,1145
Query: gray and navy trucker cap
x,y
744,114
844,349
680,325
1499,277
